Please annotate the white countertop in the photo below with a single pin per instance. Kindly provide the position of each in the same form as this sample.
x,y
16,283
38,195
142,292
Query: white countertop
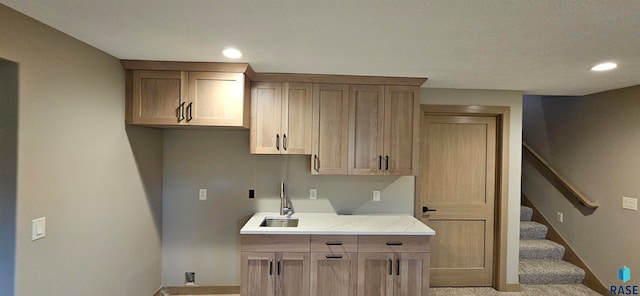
x,y
334,224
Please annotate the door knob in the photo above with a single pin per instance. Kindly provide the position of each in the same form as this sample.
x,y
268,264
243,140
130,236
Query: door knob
x,y
427,209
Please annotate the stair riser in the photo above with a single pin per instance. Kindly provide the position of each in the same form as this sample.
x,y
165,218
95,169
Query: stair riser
x,y
533,233
525,213
553,254
551,279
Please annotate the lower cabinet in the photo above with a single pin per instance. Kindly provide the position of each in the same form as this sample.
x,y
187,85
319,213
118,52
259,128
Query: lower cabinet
x,y
399,274
350,265
275,274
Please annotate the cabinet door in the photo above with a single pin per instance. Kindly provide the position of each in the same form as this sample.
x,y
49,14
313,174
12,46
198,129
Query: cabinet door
x,y
217,99
334,274
330,129
375,274
366,126
297,118
411,274
257,274
266,102
293,274
157,97
401,129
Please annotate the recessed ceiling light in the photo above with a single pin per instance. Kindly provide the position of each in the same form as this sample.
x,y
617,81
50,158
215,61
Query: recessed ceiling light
x,y
232,53
604,67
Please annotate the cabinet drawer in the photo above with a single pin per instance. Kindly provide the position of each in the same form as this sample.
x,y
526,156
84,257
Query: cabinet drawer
x,y
393,243
334,243
274,243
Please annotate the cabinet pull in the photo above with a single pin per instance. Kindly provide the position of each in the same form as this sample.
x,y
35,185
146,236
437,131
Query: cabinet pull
x,y
394,243
379,162
398,265
284,142
387,161
316,163
334,257
390,267
279,267
180,111
189,112
278,142
270,266
333,243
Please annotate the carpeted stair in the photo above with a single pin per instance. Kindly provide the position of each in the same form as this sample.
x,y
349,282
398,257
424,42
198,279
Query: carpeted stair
x,y
541,259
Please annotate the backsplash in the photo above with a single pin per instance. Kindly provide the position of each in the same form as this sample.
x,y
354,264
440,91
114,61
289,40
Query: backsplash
x,y
202,236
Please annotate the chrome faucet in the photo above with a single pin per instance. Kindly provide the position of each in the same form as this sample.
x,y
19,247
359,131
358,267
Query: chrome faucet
x,y
285,206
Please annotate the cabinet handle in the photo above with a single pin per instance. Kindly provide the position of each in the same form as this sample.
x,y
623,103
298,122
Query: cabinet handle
x,y
180,111
278,142
398,270
316,163
270,266
379,162
390,267
394,243
333,243
284,141
189,112
334,257
387,161
279,267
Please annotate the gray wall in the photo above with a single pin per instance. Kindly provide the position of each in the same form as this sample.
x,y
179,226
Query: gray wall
x,y
99,185
592,141
8,173
202,236
512,99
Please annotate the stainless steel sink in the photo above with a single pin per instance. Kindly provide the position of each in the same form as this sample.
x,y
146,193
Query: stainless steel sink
x,y
279,222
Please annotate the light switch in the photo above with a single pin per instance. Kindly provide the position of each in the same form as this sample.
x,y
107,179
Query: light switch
x,y
376,195
630,203
560,217
203,194
38,228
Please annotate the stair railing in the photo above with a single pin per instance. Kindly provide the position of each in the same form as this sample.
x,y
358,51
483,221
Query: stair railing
x,y
561,180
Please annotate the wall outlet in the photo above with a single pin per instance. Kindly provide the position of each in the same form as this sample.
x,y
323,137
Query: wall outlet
x,y
376,195
38,228
313,193
203,194
630,203
560,217
252,193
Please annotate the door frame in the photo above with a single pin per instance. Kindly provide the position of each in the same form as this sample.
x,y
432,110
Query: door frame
x,y
502,115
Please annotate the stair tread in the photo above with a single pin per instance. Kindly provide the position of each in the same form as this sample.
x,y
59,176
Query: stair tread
x,y
532,230
525,213
540,249
537,271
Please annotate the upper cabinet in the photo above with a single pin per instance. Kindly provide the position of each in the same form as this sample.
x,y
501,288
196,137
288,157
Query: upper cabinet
x,y
330,129
175,94
281,118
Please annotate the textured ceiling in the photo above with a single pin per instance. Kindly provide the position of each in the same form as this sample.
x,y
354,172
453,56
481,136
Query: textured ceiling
x,y
537,46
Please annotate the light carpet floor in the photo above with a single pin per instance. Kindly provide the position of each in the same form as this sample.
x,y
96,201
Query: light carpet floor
x,y
528,290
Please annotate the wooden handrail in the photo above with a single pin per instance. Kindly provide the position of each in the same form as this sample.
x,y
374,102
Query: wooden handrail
x,y
572,189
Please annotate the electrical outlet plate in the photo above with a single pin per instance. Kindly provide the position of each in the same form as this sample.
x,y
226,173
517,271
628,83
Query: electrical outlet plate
x,y
203,194
630,203
560,217
313,193
38,228
376,195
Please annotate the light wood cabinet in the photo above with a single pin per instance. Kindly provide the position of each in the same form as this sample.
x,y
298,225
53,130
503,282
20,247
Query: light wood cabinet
x,y
393,265
383,130
334,274
330,132
281,118
166,94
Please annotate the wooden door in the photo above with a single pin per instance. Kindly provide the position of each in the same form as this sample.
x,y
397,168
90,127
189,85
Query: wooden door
x,y
292,271
411,275
330,129
216,99
297,118
366,126
457,178
375,274
334,274
157,97
401,129
257,274
266,101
